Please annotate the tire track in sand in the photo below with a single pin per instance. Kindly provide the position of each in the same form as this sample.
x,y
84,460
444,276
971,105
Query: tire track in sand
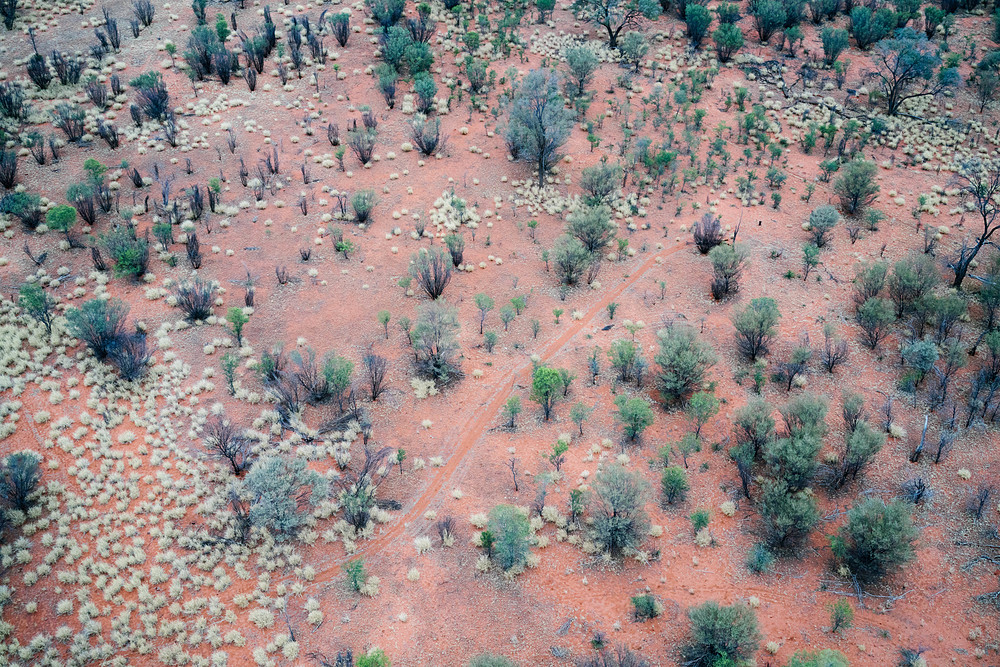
x,y
472,431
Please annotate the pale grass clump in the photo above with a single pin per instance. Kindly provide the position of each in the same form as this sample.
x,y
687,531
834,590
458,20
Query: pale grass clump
x,y
479,520
703,538
262,618
422,544
413,574
728,508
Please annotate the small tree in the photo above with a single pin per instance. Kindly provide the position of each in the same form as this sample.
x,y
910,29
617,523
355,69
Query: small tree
x,y
490,660
876,539
237,319
227,441
578,414
684,360
485,304
674,484
721,634
581,62
20,475
511,409
62,218
862,445
835,41
727,266
602,183
912,279
753,425
616,15
281,489
906,67
755,326
635,416
979,182
510,530
701,407
538,123
99,323
789,516
856,186
546,389
841,615
593,227
768,17
38,304
617,507
821,223
434,340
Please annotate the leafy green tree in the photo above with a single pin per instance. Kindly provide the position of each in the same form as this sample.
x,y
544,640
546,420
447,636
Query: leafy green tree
x,y
856,186
62,218
700,409
578,414
727,267
753,425
634,48
755,326
510,529
281,489
625,357
485,304
616,15
546,389
674,484
792,460
862,445
721,635
617,507
684,360
912,279
841,615
876,539
688,445
539,123
634,414
511,409
920,356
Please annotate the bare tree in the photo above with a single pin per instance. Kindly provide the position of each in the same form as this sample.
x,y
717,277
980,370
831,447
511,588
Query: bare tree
x,y
376,367
979,182
512,464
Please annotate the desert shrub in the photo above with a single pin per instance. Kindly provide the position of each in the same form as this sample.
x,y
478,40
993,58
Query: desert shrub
x,y
698,19
876,539
835,41
789,515
721,635
792,460
581,62
912,278
634,414
340,24
386,77
855,186
727,266
700,408
129,252
674,484
869,26
425,88
827,657
130,354
363,203
592,226
98,323
20,475
626,358
152,95
510,530
373,658
755,326
874,317
601,182
621,656
728,40
8,10
362,143
768,17
431,268
861,446
227,441
195,299
70,119
570,259
434,340
760,559
38,304
456,247
8,169
617,507
426,134
707,233
38,71
869,279
538,123
821,223
418,58
645,607
386,12
394,44
23,206
281,489
144,12
753,425
684,360
490,660
634,47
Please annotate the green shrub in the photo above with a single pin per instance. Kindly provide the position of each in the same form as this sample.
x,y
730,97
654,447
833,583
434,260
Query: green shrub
x,y
38,304
841,615
20,475
728,40
760,559
375,657
510,530
684,359
674,484
617,507
755,326
824,658
721,635
593,227
634,414
821,223
356,574
835,41
99,323
698,19
788,515
129,252
282,489
645,607
490,660
876,539
855,186
700,519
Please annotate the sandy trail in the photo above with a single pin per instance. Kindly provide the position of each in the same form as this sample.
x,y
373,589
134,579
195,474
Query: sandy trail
x,y
476,426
